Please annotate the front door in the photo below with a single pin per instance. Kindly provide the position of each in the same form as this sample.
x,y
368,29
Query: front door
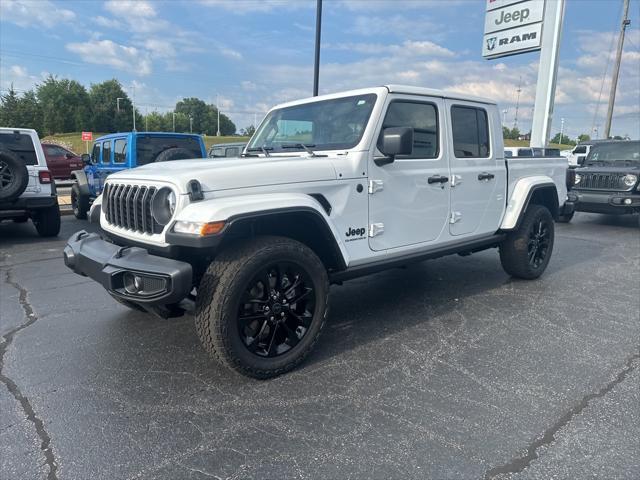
x,y
409,198
478,171
105,167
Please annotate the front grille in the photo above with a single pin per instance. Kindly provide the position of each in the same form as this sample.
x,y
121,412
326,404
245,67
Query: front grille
x,y
602,181
129,206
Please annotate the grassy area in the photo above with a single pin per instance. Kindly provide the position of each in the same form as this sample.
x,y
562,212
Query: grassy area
x,y
525,143
74,142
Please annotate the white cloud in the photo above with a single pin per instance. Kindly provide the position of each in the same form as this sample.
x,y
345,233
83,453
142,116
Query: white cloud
x,y
230,53
107,52
107,22
248,86
398,25
409,48
249,6
140,15
35,12
19,77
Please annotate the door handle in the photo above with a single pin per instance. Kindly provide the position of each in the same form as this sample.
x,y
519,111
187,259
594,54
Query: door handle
x,y
485,176
437,179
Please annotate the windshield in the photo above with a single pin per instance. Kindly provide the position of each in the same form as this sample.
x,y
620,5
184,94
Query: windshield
x,y
324,125
614,153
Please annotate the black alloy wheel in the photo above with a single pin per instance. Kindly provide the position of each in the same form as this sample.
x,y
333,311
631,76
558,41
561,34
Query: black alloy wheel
x,y
539,241
276,310
6,175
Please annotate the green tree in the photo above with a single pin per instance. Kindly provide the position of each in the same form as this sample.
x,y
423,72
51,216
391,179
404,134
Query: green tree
x,y
30,113
565,140
156,122
583,137
65,105
204,117
9,106
250,130
109,114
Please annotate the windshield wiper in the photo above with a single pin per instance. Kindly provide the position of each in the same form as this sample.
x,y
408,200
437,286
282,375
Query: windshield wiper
x,y
262,149
306,148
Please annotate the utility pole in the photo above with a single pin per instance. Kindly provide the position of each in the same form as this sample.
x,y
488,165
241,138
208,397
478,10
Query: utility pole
x,y
316,65
190,124
146,119
504,117
118,103
519,90
255,119
133,105
561,130
218,109
616,70
174,121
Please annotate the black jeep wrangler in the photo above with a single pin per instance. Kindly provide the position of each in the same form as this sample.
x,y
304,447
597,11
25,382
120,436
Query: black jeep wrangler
x,y
607,180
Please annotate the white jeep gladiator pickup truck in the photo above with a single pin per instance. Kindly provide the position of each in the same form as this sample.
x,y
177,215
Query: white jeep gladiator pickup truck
x,y
329,188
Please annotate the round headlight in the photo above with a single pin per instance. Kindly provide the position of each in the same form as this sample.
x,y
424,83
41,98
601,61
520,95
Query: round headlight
x,y
163,205
577,179
630,180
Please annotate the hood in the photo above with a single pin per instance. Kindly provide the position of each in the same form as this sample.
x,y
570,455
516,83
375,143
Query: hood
x,y
230,173
621,168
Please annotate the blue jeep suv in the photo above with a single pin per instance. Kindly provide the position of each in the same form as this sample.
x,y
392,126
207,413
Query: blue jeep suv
x,y
119,151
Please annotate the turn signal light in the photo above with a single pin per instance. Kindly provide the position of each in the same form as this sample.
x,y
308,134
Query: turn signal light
x,y
198,228
44,176
211,228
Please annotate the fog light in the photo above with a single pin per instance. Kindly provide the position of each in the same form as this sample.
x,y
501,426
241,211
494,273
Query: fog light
x,y
627,201
133,284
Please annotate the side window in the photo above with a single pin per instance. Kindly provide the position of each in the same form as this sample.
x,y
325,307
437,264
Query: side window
x,y
423,118
525,152
233,152
95,153
120,151
470,132
106,152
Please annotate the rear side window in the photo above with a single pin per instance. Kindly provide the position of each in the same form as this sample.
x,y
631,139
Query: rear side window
x,y
423,118
470,127
21,145
580,149
525,152
120,151
233,152
148,148
95,153
106,152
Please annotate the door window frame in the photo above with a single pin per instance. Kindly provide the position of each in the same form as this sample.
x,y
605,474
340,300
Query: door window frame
x,y
110,150
115,141
432,101
476,107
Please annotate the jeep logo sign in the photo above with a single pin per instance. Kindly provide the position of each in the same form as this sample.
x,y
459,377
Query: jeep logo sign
x,y
512,27
514,16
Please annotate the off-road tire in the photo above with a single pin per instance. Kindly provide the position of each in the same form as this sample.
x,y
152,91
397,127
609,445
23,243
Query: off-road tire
x,y
47,221
14,176
218,302
565,218
175,153
128,304
79,202
515,249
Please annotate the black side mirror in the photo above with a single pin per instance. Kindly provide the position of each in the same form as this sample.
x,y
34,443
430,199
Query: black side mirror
x,y
86,158
395,141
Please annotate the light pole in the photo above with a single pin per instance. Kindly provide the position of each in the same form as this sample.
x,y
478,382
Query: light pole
x,y
133,105
146,119
190,124
561,130
218,109
616,70
316,65
118,103
174,121
504,117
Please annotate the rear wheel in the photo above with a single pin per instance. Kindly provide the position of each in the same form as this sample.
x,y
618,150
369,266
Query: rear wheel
x,y
525,253
47,221
79,202
261,306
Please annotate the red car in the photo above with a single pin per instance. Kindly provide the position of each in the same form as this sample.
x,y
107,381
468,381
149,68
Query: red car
x,y
61,162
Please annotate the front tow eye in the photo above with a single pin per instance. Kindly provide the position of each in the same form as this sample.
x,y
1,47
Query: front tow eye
x,y
121,251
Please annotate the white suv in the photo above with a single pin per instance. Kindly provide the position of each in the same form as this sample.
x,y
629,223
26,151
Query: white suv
x,y
27,190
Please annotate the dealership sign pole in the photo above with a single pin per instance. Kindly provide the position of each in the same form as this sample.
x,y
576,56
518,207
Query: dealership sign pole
x,y
514,26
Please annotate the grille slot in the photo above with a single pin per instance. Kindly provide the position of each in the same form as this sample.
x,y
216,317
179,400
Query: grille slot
x,y
602,181
129,206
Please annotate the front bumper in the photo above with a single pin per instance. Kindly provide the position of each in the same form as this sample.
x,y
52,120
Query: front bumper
x,y
158,281
604,202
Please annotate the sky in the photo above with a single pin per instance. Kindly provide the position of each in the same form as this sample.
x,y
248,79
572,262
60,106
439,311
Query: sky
x,y
249,55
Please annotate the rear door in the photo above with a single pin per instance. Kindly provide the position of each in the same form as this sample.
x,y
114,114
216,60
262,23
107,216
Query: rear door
x,y
56,161
404,207
478,170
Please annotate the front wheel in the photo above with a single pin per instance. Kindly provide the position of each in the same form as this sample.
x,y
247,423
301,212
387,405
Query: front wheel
x,y
79,202
525,253
261,306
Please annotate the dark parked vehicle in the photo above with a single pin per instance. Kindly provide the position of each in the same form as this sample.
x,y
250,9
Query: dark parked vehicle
x,y
61,161
607,182
227,150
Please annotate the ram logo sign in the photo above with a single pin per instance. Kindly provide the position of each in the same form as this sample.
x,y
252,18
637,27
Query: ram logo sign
x,y
511,28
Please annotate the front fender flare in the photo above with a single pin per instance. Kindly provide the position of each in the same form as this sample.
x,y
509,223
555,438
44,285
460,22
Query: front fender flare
x,y
520,197
80,177
240,208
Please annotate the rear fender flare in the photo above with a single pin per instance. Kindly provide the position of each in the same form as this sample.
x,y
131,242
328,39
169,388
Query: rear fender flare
x,y
521,197
81,179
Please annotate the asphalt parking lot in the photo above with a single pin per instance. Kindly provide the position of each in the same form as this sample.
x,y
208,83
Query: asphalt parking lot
x,y
447,369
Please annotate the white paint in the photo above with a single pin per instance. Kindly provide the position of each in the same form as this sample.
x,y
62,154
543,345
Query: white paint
x,y
514,16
